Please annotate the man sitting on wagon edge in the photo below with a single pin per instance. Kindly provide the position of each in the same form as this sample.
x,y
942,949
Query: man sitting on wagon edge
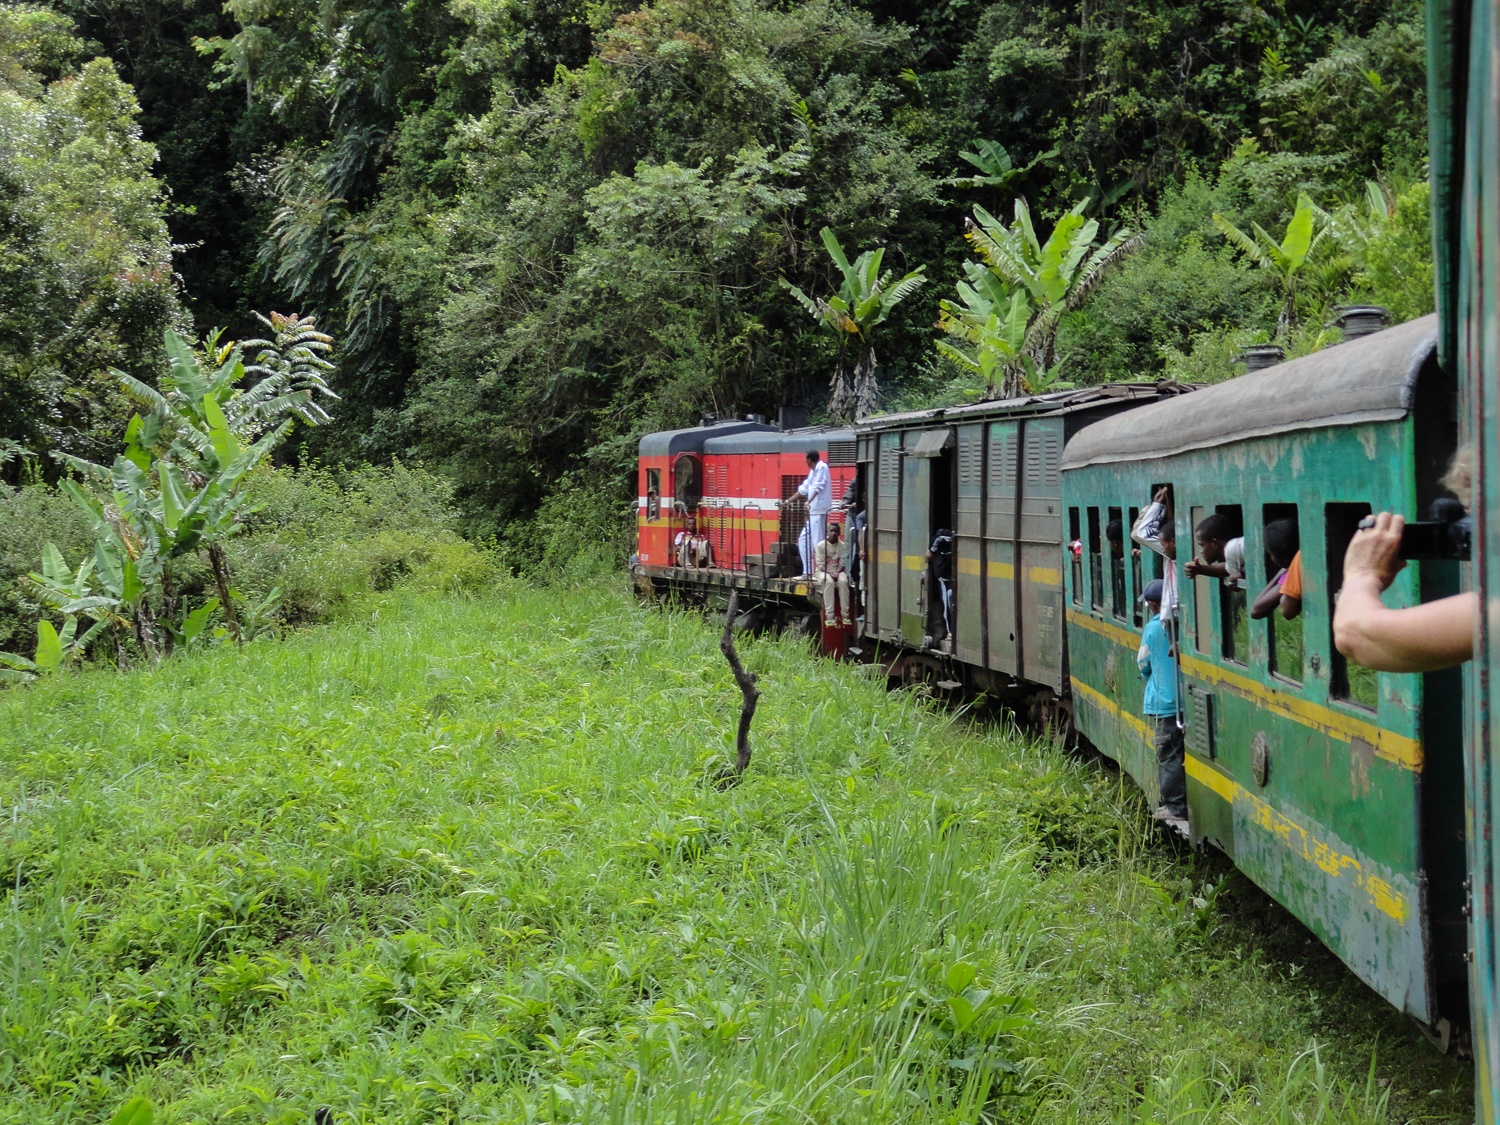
x,y
830,572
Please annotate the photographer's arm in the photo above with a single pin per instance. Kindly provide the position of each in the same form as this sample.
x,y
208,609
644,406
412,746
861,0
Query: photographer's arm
x,y
1422,638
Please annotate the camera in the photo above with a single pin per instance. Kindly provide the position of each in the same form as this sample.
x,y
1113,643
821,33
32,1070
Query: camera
x,y
1447,535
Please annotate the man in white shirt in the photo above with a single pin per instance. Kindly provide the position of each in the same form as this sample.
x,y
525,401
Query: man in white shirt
x,y
1155,531
817,489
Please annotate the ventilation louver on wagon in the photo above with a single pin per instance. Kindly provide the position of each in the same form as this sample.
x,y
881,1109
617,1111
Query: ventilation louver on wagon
x,y
842,452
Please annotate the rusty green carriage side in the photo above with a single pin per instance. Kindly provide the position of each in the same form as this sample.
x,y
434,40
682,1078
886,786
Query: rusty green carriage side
x,y
1338,792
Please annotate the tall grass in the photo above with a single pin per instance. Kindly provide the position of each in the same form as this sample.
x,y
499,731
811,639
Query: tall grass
x,y
460,859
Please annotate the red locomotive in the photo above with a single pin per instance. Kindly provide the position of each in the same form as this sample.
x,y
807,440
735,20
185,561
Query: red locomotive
x,y
718,508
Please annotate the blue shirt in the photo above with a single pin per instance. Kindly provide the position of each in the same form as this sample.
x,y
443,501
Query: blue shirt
x,y
1157,664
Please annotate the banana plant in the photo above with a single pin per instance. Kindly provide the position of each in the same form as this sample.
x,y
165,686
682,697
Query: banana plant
x,y
1285,259
1057,275
992,324
177,487
866,297
995,165
75,595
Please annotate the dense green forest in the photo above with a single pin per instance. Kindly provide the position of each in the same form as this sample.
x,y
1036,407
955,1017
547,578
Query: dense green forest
x,y
539,228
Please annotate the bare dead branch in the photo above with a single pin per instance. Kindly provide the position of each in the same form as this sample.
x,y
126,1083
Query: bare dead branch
x,y
748,690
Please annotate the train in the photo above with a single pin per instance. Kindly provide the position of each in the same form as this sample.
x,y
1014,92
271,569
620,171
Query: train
x,y
1314,778
1363,801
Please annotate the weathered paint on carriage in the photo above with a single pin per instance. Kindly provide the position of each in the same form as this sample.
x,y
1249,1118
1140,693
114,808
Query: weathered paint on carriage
x,y
1464,130
1331,829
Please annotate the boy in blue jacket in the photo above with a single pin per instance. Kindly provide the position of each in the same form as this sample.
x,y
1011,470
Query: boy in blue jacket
x,y
1158,663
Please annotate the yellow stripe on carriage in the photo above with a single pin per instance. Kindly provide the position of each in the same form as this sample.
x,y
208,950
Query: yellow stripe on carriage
x,y
1404,752
994,569
1297,839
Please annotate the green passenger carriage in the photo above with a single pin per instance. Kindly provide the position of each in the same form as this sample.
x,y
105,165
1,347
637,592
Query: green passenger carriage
x,y
1336,789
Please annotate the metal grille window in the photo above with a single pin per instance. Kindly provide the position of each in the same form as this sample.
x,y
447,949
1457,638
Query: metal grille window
x,y
1043,456
842,452
1200,722
1003,458
969,471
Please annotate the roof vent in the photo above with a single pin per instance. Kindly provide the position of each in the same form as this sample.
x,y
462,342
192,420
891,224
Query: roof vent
x,y
1257,357
1360,320
758,419
709,420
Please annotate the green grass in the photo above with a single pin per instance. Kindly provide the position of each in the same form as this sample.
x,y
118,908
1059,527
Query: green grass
x,y
459,860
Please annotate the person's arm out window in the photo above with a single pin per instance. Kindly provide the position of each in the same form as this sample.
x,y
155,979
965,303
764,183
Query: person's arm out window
x,y
1422,638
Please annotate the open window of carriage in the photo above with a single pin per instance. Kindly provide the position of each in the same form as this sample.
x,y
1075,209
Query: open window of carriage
x,y
1200,590
653,494
1136,585
1281,542
1075,556
1096,561
1115,536
1348,681
1234,622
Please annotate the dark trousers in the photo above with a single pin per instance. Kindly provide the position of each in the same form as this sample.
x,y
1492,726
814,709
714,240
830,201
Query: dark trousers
x,y
1171,768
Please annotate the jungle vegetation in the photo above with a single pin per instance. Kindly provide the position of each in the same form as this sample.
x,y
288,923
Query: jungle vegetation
x,y
539,228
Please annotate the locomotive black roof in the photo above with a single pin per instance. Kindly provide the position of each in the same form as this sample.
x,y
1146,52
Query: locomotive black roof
x,y
1372,379
669,442
800,440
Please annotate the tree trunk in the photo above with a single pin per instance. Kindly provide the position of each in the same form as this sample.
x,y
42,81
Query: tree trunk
x,y
221,579
866,392
145,631
840,398
749,692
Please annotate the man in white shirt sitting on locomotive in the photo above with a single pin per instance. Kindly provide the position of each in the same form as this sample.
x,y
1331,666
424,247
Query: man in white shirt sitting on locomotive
x,y
817,489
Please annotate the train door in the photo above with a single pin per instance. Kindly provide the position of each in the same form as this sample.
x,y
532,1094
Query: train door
x,y
885,535
921,606
1000,545
968,529
1040,638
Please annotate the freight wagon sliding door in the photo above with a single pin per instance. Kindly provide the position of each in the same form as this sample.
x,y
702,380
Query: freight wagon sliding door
x,y
916,536
885,535
1041,634
1000,545
968,529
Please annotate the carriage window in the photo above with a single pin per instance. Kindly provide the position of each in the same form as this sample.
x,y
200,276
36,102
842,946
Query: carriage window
x,y
653,494
1350,681
1281,540
1234,624
1202,591
1136,586
1075,555
1096,561
1114,535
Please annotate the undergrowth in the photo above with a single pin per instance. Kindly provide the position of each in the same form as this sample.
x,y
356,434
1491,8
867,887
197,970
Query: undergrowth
x,y
460,859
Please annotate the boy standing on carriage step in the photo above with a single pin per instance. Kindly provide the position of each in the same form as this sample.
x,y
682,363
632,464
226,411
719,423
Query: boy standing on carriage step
x,y
1158,663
